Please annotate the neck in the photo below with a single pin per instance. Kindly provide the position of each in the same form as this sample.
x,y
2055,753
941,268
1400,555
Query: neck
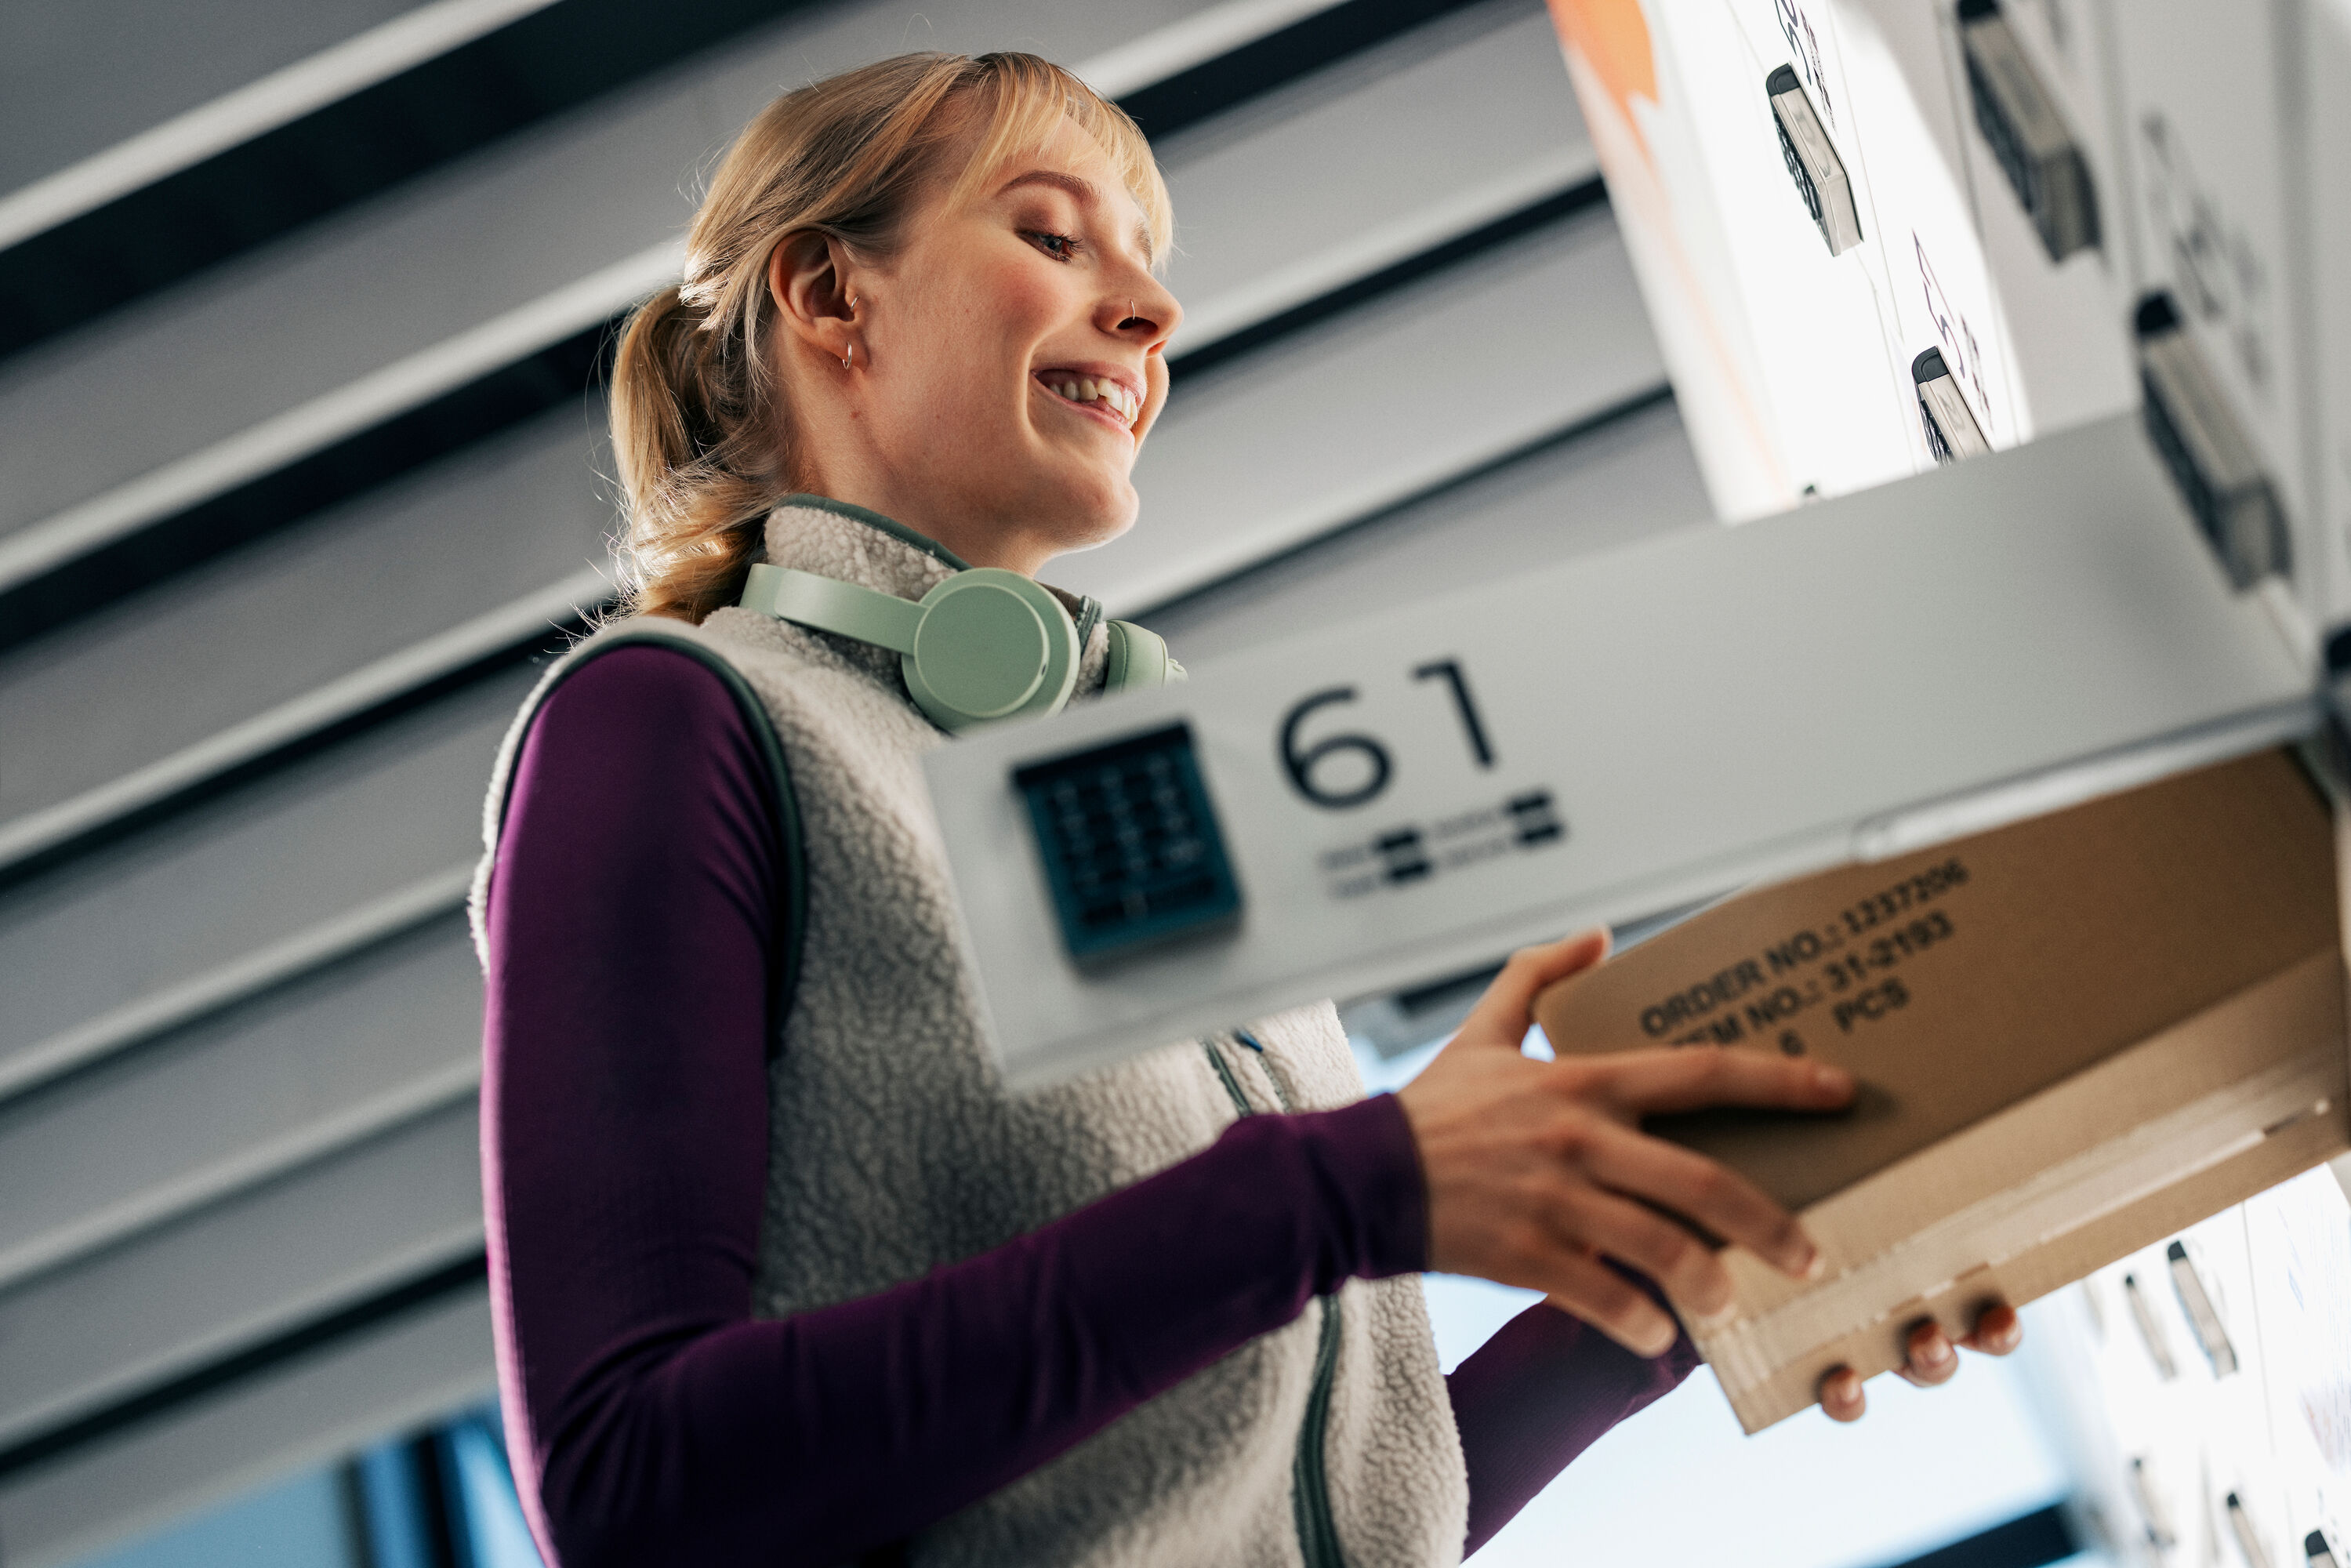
x,y
976,539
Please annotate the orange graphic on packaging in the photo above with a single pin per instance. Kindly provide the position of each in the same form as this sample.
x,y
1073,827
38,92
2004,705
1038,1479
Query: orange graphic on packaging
x,y
1613,37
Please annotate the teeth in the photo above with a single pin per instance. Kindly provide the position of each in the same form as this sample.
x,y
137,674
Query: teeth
x,y
1085,388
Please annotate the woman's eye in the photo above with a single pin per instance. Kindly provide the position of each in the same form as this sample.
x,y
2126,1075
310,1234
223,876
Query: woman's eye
x,y
1062,248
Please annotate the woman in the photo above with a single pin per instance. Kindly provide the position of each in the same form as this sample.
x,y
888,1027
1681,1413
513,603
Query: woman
x,y
782,1274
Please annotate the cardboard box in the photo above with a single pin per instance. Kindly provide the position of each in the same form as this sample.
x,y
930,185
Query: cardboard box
x,y
2074,1037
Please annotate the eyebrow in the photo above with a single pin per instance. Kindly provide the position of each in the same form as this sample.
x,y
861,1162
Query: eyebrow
x,y
1086,192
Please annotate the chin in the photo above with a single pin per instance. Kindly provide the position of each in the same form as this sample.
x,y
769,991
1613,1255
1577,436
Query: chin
x,y
1094,515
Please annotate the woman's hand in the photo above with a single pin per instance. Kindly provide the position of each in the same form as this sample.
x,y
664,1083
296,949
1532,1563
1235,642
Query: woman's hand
x,y
1539,1170
1932,1359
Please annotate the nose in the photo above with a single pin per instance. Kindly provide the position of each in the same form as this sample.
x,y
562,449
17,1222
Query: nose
x,y
1141,311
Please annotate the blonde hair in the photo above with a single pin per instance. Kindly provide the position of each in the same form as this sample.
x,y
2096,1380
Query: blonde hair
x,y
702,440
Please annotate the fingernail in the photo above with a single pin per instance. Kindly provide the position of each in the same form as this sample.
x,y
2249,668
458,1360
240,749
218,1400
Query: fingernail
x,y
1937,1354
1815,1262
1718,1317
1662,1342
1831,1079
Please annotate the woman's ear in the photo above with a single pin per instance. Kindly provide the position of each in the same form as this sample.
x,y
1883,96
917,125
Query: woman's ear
x,y
807,278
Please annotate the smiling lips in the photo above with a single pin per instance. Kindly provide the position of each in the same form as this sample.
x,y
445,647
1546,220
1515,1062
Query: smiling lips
x,y
1086,391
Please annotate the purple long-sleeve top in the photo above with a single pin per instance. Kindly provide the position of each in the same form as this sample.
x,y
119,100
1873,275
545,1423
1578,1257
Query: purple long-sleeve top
x,y
635,908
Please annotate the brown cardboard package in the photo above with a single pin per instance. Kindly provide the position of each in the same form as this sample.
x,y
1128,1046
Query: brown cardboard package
x,y
2073,1035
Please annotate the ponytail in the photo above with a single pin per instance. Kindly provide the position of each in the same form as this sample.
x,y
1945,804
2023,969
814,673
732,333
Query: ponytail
x,y
697,474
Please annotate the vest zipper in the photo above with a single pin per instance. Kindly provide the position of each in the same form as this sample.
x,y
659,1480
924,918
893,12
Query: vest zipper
x,y
1309,1487
1310,1482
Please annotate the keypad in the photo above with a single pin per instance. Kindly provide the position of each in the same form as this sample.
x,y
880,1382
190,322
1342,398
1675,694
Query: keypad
x,y
1130,844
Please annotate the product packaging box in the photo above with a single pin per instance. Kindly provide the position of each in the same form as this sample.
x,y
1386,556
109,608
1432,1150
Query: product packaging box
x,y
2073,1037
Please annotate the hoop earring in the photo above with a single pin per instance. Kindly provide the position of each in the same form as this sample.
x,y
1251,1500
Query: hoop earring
x,y
845,357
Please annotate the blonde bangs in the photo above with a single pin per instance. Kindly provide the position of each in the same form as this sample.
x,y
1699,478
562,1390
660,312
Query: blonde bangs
x,y
1025,98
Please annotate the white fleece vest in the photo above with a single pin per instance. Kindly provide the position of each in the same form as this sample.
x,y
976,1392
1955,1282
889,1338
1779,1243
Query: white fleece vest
x,y
895,1148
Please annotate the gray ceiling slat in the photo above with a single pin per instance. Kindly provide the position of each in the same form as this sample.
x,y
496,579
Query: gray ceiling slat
x,y
1452,374
458,270
236,639
274,861
383,1037
1630,480
575,222
403,1372
1328,181
352,1224
168,68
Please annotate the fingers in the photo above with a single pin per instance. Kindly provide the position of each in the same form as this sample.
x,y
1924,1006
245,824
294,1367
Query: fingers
x,y
1605,1300
1503,1013
1726,1203
1682,1265
1670,1079
1928,1356
1998,1330
1841,1396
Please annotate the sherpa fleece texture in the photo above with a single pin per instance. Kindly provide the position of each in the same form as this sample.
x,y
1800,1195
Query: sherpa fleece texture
x,y
898,1149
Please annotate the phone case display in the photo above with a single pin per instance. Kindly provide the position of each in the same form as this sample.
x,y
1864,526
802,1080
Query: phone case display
x,y
2299,1240
1812,161
2199,428
1938,281
2144,1469
2211,151
2007,102
2215,1291
1774,324
2203,1386
2029,134
1952,432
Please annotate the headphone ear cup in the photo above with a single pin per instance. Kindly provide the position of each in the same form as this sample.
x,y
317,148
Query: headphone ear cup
x,y
1139,660
991,644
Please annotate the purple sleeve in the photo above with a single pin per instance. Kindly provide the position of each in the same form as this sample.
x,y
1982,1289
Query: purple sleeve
x,y
631,910
1543,1389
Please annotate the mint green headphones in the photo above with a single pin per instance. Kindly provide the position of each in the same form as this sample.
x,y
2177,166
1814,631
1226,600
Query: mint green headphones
x,y
983,645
